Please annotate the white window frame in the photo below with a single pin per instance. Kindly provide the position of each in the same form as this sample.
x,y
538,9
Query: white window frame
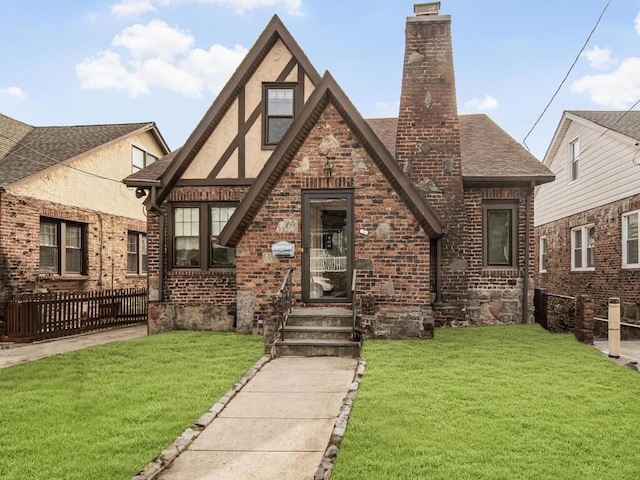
x,y
625,239
140,253
63,248
584,236
543,257
574,160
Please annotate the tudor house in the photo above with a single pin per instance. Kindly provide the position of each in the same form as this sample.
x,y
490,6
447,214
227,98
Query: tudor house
x,y
431,209
586,222
67,223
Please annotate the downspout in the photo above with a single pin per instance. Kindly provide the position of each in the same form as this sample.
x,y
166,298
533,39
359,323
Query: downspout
x,y
438,299
527,260
152,206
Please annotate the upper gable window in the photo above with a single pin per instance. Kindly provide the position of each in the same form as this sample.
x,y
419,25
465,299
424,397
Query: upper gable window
x,y
278,100
574,160
140,159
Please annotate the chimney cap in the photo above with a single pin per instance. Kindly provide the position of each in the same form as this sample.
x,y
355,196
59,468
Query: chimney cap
x,y
431,8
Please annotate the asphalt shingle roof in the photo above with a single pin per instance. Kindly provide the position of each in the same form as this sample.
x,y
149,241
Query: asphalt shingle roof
x,y
487,151
25,150
626,123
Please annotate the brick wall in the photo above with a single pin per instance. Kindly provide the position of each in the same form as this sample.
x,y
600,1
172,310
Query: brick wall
x,y
392,260
200,299
20,253
608,279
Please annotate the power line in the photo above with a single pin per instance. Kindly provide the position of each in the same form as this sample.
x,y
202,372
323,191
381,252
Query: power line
x,y
58,162
610,127
524,141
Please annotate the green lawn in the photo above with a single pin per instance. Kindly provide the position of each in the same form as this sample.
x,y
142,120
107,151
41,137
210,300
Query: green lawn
x,y
512,402
105,412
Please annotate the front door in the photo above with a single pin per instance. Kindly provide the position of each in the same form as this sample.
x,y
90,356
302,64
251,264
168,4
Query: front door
x,y
328,246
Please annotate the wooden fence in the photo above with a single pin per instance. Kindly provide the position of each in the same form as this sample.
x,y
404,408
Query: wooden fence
x,y
31,317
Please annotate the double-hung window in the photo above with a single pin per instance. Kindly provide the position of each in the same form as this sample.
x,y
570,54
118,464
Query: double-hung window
x,y
220,255
196,236
630,240
137,253
583,243
186,240
62,247
574,160
500,234
278,100
543,254
140,159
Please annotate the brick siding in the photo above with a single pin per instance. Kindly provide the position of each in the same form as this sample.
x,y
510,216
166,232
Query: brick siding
x,y
608,279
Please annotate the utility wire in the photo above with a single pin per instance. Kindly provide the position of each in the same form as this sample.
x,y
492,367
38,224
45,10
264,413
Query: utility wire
x,y
524,141
58,162
610,127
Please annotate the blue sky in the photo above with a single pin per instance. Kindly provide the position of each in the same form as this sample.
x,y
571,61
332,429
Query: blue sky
x,y
120,61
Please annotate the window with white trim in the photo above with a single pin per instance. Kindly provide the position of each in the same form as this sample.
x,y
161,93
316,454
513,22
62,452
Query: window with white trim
x,y
186,237
630,240
574,160
140,159
67,258
543,254
137,262
583,243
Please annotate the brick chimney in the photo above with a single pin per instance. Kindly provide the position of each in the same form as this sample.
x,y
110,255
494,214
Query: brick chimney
x,y
428,136
428,142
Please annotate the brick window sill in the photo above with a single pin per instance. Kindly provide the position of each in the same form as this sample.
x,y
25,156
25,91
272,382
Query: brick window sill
x,y
214,272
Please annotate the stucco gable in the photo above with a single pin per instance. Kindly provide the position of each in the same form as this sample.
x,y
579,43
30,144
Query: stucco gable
x,y
228,110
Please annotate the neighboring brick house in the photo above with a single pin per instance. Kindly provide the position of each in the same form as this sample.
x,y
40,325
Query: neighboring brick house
x,y
431,209
67,223
586,222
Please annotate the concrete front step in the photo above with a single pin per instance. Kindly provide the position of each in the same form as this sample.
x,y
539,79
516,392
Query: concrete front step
x,y
298,332
320,317
317,348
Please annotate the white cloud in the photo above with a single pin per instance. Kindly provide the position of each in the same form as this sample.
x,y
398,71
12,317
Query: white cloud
x,y
132,8
293,7
159,56
105,71
155,39
618,89
215,65
14,92
482,104
599,57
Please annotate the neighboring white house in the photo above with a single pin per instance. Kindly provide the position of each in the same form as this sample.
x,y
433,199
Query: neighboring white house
x,y
586,222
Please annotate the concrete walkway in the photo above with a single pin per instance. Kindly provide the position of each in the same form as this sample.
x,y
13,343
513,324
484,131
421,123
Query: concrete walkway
x,y
629,350
26,352
277,427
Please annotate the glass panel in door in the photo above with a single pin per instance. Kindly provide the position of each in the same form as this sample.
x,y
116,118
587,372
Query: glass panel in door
x,y
327,248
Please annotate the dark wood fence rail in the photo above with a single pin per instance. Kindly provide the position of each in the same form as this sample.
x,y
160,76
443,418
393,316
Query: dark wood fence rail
x,y
31,317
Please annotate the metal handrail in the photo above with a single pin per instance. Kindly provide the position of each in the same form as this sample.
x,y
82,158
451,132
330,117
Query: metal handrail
x,y
355,331
286,301
606,320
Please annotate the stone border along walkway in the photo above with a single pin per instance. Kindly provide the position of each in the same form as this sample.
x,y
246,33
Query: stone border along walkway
x,y
180,444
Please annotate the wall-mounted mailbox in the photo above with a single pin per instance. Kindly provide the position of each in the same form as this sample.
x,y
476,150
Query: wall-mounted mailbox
x,y
283,249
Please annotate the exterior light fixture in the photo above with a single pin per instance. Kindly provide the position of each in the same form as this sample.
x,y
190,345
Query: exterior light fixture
x,y
327,169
